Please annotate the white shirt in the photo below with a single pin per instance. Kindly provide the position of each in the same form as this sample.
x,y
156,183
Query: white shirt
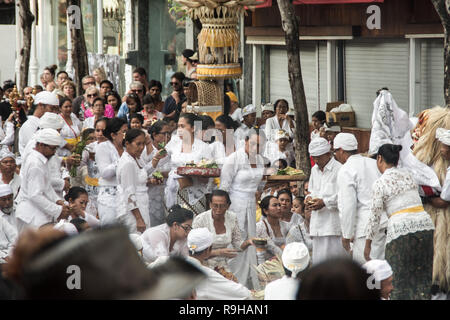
x,y
156,242
218,152
73,131
8,237
107,157
237,175
273,153
11,218
27,131
445,194
37,199
323,185
355,180
282,289
237,115
7,138
272,126
217,287
89,123
239,136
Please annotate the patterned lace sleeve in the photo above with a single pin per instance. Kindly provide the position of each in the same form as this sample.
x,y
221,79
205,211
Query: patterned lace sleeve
x,y
236,239
376,210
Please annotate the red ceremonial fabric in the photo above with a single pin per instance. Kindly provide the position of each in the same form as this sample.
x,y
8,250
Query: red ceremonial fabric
x,y
264,4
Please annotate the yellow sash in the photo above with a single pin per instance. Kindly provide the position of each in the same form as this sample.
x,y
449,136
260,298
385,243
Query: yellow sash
x,y
409,210
91,181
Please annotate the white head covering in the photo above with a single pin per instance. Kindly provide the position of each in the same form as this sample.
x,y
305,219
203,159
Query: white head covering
x,y
295,257
318,146
199,239
5,190
5,153
333,128
268,107
46,97
346,141
249,109
51,120
281,134
66,227
380,269
443,135
136,239
48,136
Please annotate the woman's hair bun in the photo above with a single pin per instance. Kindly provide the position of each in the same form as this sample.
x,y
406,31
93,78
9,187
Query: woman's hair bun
x,y
396,148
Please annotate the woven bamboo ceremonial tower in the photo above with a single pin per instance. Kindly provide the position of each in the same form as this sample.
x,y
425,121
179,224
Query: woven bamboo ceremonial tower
x,y
218,46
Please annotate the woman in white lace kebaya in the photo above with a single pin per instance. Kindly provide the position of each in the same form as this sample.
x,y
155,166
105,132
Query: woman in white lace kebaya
x,y
107,155
223,224
183,149
159,161
272,228
168,239
132,197
241,177
409,240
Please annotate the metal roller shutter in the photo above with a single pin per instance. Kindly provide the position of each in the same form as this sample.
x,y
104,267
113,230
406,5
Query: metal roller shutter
x,y
279,79
370,65
431,73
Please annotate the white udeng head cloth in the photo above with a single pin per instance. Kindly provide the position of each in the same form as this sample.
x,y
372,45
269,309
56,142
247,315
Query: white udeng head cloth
x,y
249,109
295,257
199,239
268,107
380,269
281,134
49,137
318,146
51,120
46,97
443,135
5,190
5,153
345,141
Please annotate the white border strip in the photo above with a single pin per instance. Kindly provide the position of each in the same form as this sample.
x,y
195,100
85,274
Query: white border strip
x,y
280,41
424,36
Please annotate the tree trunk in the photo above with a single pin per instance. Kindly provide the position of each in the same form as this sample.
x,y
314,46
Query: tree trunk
x,y
79,51
289,23
443,9
26,21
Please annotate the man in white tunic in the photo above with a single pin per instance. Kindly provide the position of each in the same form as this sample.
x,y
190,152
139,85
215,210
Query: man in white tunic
x,y
8,237
7,204
216,286
8,173
37,201
44,101
355,180
325,228
295,259
248,121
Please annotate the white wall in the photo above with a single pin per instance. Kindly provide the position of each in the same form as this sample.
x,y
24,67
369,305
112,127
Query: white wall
x,y
7,55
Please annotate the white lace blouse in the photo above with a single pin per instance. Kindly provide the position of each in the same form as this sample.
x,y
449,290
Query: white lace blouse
x,y
231,237
396,190
264,230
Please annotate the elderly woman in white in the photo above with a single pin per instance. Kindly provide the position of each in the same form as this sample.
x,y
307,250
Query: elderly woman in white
x,y
241,177
325,227
279,121
223,224
132,209
107,155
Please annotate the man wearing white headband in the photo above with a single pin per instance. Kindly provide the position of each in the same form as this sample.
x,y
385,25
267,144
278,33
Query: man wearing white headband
x,y
267,111
248,121
443,135
8,237
355,180
295,259
382,276
7,205
324,227
8,173
216,286
44,101
38,202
